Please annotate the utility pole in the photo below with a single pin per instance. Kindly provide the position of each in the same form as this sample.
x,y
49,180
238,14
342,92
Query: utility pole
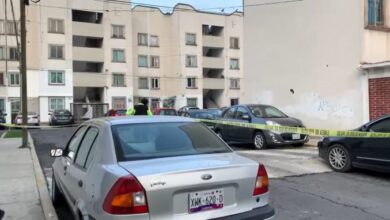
x,y
23,71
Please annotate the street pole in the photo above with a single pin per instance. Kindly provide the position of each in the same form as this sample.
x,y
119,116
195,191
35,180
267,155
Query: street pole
x,y
23,72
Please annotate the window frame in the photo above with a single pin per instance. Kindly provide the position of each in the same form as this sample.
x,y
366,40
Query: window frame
x,y
74,162
56,20
385,120
57,58
186,39
15,54
122,27
376,23
147,83
66,150
188,64
193,98
2,79
153,44
2,107
56,71
153,82
147,61
117,98
50,103
113,80
10,74
235,85
151,61
139,37
232,43
190,80
113,56
238,64
2,54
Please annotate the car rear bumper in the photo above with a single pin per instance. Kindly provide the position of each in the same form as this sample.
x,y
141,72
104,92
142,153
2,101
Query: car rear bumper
x,y
274,138
265,212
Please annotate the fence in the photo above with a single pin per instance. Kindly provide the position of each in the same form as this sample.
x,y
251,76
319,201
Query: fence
x,y
86,111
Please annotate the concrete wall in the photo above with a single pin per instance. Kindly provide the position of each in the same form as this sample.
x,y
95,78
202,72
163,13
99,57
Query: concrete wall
x,y
312,47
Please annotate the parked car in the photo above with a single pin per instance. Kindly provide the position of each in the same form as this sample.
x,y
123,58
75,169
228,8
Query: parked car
x,y
342,153
259,114
185,109
216,112
61,117
116,112
202,114
32,119
2,119
165,111
156,168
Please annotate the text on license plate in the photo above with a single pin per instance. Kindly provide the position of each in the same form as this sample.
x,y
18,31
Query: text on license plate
x,y
296,136
206,200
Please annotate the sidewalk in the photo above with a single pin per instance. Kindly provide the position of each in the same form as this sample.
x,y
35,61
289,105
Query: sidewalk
x,y
23,194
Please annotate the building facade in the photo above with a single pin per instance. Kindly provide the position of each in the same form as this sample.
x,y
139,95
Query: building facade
x,y
323,61
107,55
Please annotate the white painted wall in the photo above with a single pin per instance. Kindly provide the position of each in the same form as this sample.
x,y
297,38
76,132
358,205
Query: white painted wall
x,y
304,47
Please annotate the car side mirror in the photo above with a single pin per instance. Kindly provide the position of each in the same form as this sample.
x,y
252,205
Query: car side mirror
x,y
56,152
245,117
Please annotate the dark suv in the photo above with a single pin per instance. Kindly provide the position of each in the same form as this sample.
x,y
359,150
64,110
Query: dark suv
x,y
2,119
259,114
61,117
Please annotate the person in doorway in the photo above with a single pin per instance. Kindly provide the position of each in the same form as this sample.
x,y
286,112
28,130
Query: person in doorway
x,y
140,109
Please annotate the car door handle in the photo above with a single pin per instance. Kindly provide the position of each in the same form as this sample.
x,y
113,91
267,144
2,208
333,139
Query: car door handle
x,y
80,183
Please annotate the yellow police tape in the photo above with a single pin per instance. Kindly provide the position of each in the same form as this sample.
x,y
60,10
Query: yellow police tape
x,y
35,126
299,130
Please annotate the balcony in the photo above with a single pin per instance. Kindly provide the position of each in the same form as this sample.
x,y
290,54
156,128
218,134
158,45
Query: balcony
x,y
89,79
213,83
88,54
213,63
88,29
213,41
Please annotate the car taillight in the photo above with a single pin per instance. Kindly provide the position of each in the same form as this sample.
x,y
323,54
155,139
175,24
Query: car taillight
x,y
127,196
261,185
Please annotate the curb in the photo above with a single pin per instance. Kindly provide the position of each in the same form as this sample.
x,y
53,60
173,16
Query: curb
x,y
47,205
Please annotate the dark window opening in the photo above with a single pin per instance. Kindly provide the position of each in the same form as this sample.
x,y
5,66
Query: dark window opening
x,y
87,16
82,66
80,41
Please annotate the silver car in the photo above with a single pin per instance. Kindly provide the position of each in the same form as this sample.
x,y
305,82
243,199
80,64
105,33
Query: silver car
x,y
163,167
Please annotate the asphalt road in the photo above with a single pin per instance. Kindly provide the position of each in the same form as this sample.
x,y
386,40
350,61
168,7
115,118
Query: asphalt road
x,y
359,195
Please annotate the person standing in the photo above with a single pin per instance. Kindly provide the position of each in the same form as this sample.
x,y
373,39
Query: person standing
x,y
140,109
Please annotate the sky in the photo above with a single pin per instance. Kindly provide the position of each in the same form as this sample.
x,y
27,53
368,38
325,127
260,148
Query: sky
x,y
198,4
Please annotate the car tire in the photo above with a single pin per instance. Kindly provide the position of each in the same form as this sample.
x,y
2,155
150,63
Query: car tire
x,y
299,145
259,141
339,158
56,196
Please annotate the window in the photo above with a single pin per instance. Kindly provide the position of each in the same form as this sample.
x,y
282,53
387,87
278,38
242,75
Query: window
x,y
142,39
382,126
230,113
56,103
192,102
85,146
74,143
240,112
234,43
2,83
191,83
155,83
190,39
10,27
2,55
142,61
234,83
15,105
56,78
375,12
118,31
13,54
14,79
143,83
234,64
191,61
118,56
154,42
56,26
56,52
155,61
118,79
2,27
234,101
267,112
2,105
119,103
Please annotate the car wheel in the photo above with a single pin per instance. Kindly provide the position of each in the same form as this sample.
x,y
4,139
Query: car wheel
x,y
339,158
56,195
259,141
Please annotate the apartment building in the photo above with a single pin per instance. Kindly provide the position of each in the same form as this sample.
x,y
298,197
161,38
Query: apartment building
x,y
187,57
78,52
326,62
90,56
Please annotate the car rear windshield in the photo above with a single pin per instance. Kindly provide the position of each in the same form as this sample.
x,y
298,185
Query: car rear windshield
x,y
267,112
168,112
63,112
158,140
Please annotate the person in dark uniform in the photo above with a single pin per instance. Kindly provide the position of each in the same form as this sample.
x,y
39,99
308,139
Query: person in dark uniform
x,y
140,109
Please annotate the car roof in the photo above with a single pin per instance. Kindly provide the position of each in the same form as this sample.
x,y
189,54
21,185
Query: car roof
x,y
140,119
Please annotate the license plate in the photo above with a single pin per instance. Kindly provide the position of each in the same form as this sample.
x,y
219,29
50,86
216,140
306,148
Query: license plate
x,y
296,136
205,200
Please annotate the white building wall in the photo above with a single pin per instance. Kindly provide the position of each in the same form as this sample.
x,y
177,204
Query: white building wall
x,y
303,58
